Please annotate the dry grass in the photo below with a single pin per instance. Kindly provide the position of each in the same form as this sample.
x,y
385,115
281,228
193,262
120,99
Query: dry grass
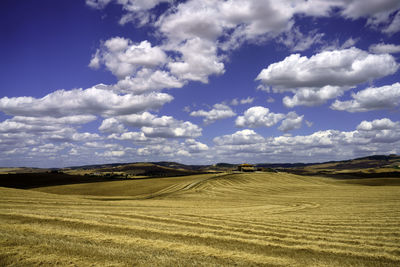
x,y
273,219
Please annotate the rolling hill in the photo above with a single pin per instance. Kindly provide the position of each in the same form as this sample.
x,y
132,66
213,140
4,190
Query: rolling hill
x,y
241,219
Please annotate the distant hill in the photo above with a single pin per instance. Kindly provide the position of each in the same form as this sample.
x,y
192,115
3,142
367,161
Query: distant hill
x,y
152,169
366,167
377,161
376,165
148,169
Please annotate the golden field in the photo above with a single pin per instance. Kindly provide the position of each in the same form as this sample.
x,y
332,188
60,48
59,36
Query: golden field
x,y
239,219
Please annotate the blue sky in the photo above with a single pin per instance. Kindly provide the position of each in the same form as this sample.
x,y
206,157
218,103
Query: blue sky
x,y
198,82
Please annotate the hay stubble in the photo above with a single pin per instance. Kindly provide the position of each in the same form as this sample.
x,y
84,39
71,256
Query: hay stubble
x,y
207,220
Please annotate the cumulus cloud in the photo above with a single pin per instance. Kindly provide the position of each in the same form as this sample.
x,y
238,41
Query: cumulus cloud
x,y
312,96
291,122
380,124
346,67
372,98
11,126
129,136
153,126
258,116
218,112
243,137
146,119
92,101
124,58
48,120
193,41
112,125
379,136
194,146
383,48
325,75
197,29
177,129
198,61
174,149
199,33
147,80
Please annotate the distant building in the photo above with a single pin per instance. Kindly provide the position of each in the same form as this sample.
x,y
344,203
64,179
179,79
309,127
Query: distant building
x,y
247,168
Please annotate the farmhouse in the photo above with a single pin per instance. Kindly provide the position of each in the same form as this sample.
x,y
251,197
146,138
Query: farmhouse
x,y
246,168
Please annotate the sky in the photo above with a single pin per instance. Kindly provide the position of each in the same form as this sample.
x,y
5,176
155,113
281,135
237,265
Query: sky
x,y
197,82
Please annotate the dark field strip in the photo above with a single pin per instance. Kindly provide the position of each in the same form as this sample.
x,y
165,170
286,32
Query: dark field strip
x,y
34,180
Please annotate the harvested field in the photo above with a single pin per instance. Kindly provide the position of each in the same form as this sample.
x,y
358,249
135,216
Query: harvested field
x,y
252,219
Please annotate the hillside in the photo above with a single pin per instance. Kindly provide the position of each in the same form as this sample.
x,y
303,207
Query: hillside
x,y
241,219
380,166
366,167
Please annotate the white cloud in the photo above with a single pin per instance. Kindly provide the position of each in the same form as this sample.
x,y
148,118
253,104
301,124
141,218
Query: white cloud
x,y
146,119
325,75
48,120
198,33
346,67
380,136
377,12
137,11
258,116
129,136
154,127
335,44
312,96
247,100
177,129
85,136
124,58
112,125
270,100
218,112
234,102
380,124
372,98
111,154
194,146
243,137
98,3
92,101
147,80
198,61
197,29
349,43
291,122
297,41
11,126
394,26
174,150
383,48
242,101
355,9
